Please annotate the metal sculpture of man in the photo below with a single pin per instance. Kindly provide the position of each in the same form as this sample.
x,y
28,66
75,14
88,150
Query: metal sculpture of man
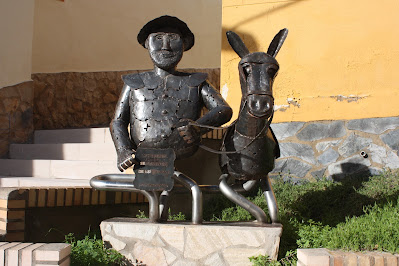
x,y
162,108
159,105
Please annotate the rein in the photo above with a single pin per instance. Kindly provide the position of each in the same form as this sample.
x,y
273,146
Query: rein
x,y
269,120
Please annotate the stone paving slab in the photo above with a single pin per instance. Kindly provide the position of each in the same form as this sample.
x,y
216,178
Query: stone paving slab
x,y
181,243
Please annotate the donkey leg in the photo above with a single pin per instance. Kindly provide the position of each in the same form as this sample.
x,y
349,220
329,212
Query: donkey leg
x,y
241,201
270,199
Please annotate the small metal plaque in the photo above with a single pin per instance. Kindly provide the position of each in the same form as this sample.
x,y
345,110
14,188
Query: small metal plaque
x,y
155,169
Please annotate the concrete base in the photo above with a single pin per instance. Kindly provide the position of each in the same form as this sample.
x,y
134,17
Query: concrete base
x,y
181,243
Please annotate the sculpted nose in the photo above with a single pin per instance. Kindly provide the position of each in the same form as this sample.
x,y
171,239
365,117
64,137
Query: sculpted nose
x,y
166,43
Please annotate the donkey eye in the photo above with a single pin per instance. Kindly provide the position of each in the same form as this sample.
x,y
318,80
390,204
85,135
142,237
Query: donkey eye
x,y
272,72
247,69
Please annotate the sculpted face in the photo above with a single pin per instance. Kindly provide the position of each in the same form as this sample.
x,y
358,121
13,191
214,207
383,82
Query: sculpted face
x,y
165,49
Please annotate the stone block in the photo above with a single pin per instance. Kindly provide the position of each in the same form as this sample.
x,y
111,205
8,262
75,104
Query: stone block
x,y
377,257
392,140
52,252
12,254
319,174
380,155
26,254
373,125
317,131
353,144
350,259
364,259
292,166
328,157
302,151
337,257
4,247
186,244
391,260
286,130
314,257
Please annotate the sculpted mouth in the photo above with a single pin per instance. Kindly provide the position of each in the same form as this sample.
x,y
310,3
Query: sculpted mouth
x,y
166,54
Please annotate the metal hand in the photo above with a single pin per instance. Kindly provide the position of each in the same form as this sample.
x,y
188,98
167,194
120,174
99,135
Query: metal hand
x,y
190,133
126,159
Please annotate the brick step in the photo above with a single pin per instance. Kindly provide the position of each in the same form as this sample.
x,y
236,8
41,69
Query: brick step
x,y
56,168
81,135
17,253
39,182
69,151
325,257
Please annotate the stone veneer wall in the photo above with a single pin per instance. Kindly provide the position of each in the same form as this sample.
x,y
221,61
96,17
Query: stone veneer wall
x,y
16,115
77,100
333,148
183,243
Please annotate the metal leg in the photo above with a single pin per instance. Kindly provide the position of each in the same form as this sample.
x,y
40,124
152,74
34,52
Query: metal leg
x,y
241,201
120,182
270,199
164,206
152,197
196,196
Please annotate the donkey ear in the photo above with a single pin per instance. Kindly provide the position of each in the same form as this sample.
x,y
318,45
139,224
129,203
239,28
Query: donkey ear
x,y
237,44
277,42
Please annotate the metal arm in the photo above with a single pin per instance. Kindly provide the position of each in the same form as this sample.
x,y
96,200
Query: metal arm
x,y
219,112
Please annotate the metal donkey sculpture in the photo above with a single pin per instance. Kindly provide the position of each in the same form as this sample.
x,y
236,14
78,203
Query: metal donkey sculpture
x,y
250,146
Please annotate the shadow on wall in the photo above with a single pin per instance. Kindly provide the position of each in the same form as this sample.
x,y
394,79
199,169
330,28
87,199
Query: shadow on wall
x,y
350,170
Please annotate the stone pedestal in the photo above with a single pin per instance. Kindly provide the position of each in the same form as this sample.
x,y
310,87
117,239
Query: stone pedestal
x,y
181,243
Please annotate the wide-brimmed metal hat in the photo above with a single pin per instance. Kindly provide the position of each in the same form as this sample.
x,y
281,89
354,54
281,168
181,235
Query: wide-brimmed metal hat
x,y
167,22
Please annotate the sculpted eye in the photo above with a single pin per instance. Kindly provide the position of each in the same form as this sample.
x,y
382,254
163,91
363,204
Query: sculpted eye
x,y
159,37
174,37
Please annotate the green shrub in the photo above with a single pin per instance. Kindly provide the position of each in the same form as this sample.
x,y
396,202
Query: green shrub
x,y
90,251
330,214
377,229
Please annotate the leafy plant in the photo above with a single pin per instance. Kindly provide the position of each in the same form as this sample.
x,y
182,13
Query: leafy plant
x,y
176,217
262,260
141,215
90,251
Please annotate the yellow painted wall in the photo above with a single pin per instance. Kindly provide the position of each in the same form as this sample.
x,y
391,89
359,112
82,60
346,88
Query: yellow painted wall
x,y
16,25
340,60
100,35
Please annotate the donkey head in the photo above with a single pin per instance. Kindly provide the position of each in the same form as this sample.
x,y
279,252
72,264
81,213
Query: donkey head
x,y
257,73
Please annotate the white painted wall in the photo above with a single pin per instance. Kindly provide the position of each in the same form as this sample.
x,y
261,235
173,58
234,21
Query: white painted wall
x,y
16,31
100,35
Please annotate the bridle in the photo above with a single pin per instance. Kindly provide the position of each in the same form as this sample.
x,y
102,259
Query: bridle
x,y
269,120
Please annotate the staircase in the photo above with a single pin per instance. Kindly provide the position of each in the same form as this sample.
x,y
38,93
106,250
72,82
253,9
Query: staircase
x,y
59,158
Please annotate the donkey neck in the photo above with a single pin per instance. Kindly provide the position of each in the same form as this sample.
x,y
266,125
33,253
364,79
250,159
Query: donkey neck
x,y
249,125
